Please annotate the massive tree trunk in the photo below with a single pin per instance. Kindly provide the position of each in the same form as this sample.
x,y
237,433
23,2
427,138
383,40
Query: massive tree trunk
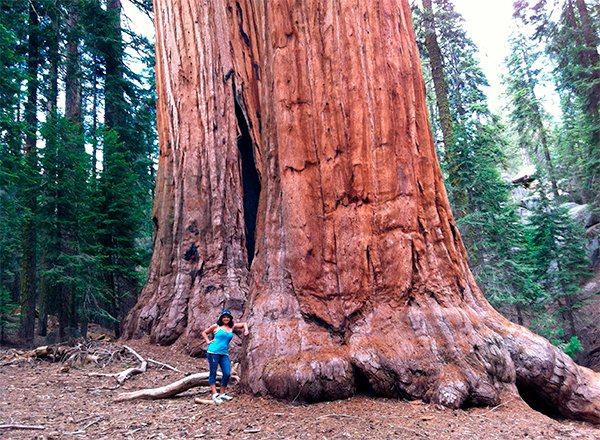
x,y
200,262
359,276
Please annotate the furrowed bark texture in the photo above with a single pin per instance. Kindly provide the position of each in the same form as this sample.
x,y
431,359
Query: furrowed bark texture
x,y
359,274
199,265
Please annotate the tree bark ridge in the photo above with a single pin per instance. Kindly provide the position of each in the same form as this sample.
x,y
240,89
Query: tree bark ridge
x,y
199,265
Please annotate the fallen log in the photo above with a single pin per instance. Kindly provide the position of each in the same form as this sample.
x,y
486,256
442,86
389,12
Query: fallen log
x,y
193,380
54,351
204,401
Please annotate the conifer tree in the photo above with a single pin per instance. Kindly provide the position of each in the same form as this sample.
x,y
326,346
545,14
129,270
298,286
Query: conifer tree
x,y
558,252
30,183
125,173
527,114
13,51
80,238
488,222
572,44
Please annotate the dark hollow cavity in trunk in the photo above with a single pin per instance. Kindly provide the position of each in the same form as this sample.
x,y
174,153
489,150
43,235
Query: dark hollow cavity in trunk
x,y
250,180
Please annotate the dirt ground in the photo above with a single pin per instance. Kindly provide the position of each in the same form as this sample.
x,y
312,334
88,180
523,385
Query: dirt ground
x,y
66,403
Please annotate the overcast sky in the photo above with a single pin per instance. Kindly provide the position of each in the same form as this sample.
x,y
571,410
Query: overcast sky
x,y
488,24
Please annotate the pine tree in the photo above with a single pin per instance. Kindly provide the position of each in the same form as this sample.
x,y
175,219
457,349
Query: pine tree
x,y
571,41
558,251
527,114
125,182
30,183
488,222
13,51
437,74
577,80
87,228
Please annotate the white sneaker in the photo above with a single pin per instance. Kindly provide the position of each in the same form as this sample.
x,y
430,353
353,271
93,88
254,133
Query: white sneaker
x,y
217,399
225,397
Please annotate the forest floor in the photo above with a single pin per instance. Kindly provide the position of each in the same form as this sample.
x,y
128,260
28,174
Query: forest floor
x,y
64,402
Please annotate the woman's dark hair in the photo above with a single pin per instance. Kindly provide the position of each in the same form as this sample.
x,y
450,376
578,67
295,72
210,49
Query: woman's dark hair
x,y
220,320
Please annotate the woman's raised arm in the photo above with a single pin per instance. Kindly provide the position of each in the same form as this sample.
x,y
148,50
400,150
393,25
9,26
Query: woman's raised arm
x,y
243,325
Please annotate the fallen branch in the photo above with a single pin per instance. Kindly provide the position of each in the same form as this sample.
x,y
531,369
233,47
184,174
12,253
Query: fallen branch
x,y
22,427
93,423
193,380
168,367
124,375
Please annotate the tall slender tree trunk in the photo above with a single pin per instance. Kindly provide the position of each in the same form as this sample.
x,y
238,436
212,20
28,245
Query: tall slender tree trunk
x,y
114,104
437,73
66,211
115,119
592,58
50,148
545,147
95,115
359,272
29,294
539,125
73,95
443,104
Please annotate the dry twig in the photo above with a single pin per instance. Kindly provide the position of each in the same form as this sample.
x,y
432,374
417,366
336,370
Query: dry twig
x,y
495,408
168,366
124,375
22,427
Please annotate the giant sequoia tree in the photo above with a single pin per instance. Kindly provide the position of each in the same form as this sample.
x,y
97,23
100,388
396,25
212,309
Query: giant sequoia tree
x,y
298,185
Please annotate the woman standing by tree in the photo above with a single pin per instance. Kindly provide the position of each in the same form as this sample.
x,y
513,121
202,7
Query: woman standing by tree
x,y
217,352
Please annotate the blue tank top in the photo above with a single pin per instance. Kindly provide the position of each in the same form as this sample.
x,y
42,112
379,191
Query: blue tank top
x,y
220,343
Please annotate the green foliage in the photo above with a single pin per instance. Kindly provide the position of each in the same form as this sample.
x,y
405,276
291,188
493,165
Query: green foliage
x,y
557,249
526,266
7,307
66,170
488,222
569,35
12,164
527,116
572,347
92,223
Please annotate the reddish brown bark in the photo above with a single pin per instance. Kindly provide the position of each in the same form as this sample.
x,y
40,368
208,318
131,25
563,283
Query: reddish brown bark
x,y
200,264
359,272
